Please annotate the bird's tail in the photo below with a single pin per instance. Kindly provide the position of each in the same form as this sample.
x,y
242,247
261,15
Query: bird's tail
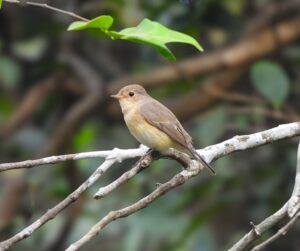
x,y
203,162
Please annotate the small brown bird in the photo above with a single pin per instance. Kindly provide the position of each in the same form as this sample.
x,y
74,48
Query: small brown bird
x,y
153,124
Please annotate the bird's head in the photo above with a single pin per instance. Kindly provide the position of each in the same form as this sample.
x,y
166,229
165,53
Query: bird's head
x,y
130,95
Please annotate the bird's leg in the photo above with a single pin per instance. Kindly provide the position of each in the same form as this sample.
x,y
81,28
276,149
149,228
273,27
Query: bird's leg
x,y
146,159
150,150
181,157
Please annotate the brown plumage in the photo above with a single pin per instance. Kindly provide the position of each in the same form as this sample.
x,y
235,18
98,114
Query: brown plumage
x,y
153,124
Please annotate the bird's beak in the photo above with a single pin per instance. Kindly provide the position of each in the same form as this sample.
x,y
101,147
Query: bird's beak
x,y
116,96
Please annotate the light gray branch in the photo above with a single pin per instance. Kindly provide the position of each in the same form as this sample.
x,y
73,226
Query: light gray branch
x,y
210,153
294,202
51,213
281,232
259,229
177,180
290,208
119,154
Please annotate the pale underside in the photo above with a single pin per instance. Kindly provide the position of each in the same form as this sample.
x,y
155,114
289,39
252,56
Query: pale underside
x,y
155,126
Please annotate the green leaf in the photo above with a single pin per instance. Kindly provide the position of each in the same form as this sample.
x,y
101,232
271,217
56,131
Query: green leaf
x,y
0,4
271,81
147,32
156,35
102,22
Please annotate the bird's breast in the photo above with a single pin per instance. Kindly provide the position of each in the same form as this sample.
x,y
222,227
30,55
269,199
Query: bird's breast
x,y
146,133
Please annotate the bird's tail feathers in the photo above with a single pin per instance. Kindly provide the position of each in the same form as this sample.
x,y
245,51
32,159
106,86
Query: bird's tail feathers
x,y
198,157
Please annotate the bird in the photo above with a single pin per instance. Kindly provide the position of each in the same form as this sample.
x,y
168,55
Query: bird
x,y
153,124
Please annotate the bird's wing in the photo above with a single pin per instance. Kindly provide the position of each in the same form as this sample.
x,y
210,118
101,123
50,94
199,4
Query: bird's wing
x,y
161,117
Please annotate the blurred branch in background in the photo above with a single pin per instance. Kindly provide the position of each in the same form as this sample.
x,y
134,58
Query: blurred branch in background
x,y
14,189
235,58
93,85
33,98
210,153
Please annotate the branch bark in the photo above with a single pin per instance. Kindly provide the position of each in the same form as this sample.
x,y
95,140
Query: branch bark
x,y
210,154
282,231
51,213
177,180
290,208
116,153
294,202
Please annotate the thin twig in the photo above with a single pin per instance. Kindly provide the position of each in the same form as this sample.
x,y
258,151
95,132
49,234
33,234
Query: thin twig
x,y
171,153
210,153
53,212
291,206
294,202
123,178
282,231
259,229
177,180
47,6
116,153
237,143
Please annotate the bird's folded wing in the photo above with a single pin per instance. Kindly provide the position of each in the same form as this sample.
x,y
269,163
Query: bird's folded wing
x,y
162,118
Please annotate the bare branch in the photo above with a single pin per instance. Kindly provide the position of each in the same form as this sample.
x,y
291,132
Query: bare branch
x,y
46,6
177,180
259,229
210,153
119,154
282,231
239,143
294,202
51,213
290,208
123,178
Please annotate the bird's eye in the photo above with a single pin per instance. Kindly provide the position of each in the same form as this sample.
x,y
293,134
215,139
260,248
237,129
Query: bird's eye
x,y
131,94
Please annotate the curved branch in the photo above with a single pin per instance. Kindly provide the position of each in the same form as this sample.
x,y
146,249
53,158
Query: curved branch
x,y
51,213
290,208
259,229
29,104
177,180
282,231
116,153
210,153
294,202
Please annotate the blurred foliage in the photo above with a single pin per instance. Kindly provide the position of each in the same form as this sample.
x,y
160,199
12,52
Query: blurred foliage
x,y
271,81
206,213
10,71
